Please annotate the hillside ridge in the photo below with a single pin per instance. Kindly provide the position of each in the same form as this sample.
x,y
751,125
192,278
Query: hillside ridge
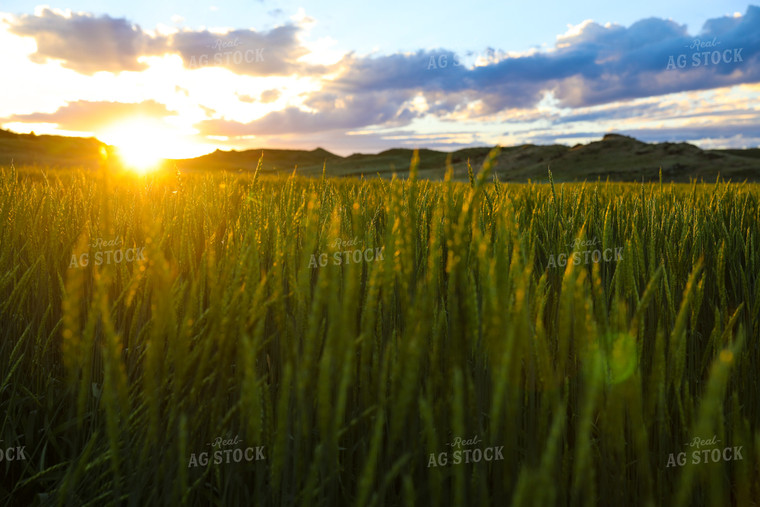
x,y
616,157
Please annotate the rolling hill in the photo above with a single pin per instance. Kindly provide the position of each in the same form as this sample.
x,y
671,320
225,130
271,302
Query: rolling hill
x,y
617,157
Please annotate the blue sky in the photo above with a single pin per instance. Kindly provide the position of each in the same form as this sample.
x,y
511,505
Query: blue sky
x,y
397,25
363,77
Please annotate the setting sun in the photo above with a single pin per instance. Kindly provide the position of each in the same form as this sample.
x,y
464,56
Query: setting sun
x,y
141,144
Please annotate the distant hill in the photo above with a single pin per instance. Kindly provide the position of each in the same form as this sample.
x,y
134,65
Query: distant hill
x,y
622,158
50,151
617,157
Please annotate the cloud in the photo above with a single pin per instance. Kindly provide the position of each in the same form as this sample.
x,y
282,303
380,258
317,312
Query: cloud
x,y
333,112
734,129
594,73
591,65
245,51
92,116
242,97
747,130
268,96
645,60
85,43
88,44
345,143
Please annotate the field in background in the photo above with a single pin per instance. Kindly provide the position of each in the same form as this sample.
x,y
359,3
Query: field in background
x,y
350,376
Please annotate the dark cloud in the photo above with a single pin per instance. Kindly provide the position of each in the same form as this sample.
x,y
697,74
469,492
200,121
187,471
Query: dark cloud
x,y
245,51
87,44
598,65
92,116
666,64
335,112
400,72
608,64
624,111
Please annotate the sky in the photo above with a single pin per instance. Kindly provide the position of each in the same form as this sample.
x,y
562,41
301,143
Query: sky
x,y
182,78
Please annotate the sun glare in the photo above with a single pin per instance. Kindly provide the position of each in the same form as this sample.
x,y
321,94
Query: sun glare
x,y
141,145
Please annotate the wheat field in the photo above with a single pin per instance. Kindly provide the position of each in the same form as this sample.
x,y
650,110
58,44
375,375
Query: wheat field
x,y
230,324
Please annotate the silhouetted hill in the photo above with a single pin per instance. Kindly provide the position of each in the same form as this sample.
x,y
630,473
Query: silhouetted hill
x,y
617,157
274,160
50,151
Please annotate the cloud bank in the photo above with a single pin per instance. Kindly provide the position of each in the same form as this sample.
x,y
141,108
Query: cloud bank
x,y
593,73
